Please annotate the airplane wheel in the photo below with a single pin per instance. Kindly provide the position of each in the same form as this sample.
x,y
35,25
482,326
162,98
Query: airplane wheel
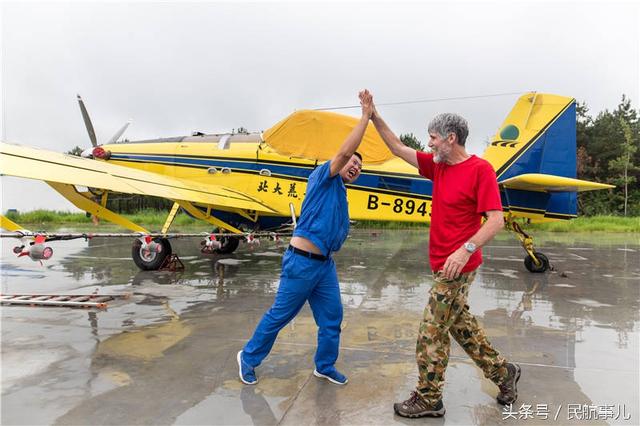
x,y
228,245
148,260
532,267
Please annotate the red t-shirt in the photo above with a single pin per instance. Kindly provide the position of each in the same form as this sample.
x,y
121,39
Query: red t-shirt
x,y
461,194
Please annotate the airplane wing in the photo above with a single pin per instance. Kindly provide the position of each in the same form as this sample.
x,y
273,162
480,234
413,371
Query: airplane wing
x,y
9,225
550,183
50,166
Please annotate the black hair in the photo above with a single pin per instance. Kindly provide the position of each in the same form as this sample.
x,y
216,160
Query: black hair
x,y
357,154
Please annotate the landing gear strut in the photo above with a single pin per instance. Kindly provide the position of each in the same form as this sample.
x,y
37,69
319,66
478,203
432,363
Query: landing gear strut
x,y
534,261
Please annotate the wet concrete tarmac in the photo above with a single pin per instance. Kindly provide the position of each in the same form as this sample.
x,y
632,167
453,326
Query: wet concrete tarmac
x,y
167,354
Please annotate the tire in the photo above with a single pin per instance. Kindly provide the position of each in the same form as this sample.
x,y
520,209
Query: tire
x,y
532,267
228,245
150,261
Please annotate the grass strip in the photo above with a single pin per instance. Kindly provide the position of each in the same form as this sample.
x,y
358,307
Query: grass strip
x,y
151,218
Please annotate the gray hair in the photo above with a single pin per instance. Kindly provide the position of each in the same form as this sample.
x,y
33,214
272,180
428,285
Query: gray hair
x,y
444,124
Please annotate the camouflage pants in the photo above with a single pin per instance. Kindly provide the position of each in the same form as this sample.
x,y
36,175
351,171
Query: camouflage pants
x,y
448,312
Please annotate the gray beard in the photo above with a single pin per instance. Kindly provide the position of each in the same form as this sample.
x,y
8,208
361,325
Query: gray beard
x,y
441,157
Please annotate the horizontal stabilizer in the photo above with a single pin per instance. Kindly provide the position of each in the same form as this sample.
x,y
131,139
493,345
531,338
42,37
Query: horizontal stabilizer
x,y
550,183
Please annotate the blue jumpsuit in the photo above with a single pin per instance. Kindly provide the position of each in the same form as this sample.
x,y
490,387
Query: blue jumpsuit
x,y
324,220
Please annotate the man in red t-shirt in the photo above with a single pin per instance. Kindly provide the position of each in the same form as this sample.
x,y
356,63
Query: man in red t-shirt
x,y
464,190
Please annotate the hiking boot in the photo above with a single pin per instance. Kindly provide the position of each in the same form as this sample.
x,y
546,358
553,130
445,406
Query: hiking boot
x,y
246,372
416,406
334,376
508,389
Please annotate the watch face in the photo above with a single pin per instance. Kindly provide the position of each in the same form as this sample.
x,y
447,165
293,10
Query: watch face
x,y
470,247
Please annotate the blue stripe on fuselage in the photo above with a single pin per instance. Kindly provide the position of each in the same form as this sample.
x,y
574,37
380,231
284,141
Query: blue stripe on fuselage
x,y
560,204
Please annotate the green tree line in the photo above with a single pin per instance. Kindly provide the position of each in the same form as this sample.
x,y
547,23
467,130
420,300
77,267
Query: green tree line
x,y
608,153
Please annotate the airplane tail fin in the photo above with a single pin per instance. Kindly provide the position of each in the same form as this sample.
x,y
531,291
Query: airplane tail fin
x,y
534,156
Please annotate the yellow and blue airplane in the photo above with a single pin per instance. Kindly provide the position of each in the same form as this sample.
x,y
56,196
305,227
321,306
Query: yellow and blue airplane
x,y
244,183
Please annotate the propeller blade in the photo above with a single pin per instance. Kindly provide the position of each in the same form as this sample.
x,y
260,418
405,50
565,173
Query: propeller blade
x,y
87,122
119,133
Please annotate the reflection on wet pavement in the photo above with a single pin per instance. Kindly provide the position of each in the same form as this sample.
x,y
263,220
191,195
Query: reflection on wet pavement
x,y
167,355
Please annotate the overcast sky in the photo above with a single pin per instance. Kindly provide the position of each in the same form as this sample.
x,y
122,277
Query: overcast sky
x,y
175,68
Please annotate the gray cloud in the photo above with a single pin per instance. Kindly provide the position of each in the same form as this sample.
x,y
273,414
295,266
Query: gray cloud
x,y
175,68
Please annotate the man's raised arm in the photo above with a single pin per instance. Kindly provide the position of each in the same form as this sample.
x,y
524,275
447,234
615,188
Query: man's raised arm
x,y
351,143
393,142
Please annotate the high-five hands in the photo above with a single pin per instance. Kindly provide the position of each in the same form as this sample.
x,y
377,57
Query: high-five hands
x,y
366,102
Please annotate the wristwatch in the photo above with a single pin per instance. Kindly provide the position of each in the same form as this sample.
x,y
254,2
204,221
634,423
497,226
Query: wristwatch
x,y
470,247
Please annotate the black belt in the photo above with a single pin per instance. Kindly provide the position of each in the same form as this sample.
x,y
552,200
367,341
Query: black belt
x,y
305,253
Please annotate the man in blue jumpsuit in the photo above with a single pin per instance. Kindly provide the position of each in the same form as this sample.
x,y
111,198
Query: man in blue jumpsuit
x,y
308,271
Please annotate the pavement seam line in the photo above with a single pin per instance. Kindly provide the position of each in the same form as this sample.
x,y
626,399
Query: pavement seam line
x,y
295,398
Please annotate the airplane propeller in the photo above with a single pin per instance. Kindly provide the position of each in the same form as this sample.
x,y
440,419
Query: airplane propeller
x,y
89,152
87,122
119,133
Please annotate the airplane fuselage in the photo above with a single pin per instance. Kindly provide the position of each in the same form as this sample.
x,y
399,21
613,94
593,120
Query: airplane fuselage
x,y
390,192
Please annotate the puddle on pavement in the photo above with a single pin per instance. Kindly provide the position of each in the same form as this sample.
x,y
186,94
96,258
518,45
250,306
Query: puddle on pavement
x,y
182,330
